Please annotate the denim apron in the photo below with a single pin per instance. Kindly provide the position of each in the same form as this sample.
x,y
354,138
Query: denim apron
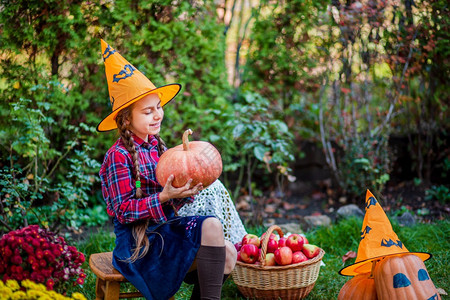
x,y
173,247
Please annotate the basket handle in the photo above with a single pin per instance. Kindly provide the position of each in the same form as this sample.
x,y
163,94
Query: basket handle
x,y
262,256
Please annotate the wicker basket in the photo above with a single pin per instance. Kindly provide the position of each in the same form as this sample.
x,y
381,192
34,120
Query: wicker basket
x,y
274,282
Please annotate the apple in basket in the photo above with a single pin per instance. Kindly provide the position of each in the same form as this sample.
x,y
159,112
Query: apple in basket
x,y
272,245
298,257
238,246
272,236
283,256
310,250
249,253
282,242
305,240
270,259
295,242
250,238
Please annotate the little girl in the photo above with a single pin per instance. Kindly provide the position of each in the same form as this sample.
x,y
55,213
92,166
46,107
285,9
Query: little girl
x,y
155,247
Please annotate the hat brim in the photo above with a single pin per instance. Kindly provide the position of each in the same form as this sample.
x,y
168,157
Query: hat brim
x,y
365,266
167,92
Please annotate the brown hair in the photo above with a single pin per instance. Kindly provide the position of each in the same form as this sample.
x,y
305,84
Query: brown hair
x,y
140,227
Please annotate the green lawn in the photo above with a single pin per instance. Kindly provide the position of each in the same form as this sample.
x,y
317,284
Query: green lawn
x,y
336,240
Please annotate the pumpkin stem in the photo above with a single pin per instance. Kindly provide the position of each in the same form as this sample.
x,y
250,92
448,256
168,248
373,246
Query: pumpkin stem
x,y
186,139
374,262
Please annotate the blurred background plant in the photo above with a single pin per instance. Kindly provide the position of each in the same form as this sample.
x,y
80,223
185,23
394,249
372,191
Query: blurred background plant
x,y
366,81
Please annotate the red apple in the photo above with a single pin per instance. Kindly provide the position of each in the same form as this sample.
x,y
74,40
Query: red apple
x,y
283,256
250,238
272,245
238,246
282,242
249,253
295,242
310,250
272,236
298,257
305,240
270,259
239,256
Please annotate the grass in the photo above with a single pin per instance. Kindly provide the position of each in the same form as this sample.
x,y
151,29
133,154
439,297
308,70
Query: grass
x,y
336,240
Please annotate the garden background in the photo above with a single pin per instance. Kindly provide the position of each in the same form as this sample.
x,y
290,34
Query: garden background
x,y
309,102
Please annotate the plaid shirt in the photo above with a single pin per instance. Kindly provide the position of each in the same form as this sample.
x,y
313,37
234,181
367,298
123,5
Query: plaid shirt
x,y
119,185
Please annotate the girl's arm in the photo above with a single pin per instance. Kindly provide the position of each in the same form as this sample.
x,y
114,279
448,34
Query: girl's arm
x,y
121,192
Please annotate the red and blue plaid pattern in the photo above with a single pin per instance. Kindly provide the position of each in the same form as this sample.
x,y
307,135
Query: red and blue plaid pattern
x,y
119,185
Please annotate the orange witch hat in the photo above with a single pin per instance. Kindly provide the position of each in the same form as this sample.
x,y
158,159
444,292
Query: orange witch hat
x,y
126,85
378,240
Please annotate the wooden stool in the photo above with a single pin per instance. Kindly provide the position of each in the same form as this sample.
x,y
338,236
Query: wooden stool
x,y
107,286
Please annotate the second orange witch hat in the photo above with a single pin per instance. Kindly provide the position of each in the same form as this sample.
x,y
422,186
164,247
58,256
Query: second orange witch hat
x,y
378,240
126,85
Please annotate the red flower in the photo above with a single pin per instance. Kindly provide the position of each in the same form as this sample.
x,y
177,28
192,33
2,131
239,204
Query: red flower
x,y
80,280
7,252
32,260
19,269
16,260
81,257
35,243
27,248
39,254
50,283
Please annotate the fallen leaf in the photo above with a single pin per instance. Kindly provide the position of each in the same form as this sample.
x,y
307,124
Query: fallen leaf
x,y
243,205
270,208
288,206
347,256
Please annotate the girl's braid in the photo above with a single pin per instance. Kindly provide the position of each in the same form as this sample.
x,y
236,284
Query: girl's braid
x,y
128,141
161,145
140,227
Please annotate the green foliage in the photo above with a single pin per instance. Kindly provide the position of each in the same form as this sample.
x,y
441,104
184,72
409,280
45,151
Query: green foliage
x,y
30,188
440,193
53,80
364,164
263,140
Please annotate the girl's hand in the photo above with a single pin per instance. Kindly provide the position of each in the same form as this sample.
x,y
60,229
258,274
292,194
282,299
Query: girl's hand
x,y
170,192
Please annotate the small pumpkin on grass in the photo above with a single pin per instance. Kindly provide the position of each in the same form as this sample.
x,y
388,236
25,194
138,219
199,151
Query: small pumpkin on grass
x,y
198,160
360,287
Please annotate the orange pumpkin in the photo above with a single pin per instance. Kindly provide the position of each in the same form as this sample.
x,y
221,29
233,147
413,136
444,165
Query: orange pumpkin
x,y
403,277
360,287
197,160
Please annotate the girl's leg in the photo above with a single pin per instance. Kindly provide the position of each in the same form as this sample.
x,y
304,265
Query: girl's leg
x,y
230,262
211,259
231,257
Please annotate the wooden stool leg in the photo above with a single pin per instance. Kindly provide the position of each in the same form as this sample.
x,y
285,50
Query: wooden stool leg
x,y
99,286
112,290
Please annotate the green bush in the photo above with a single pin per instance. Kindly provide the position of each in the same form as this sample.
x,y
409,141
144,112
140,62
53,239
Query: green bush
x,y
31,189
263,141
53,82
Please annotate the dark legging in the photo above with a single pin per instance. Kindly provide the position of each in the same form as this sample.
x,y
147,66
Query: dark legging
x,y
208,278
